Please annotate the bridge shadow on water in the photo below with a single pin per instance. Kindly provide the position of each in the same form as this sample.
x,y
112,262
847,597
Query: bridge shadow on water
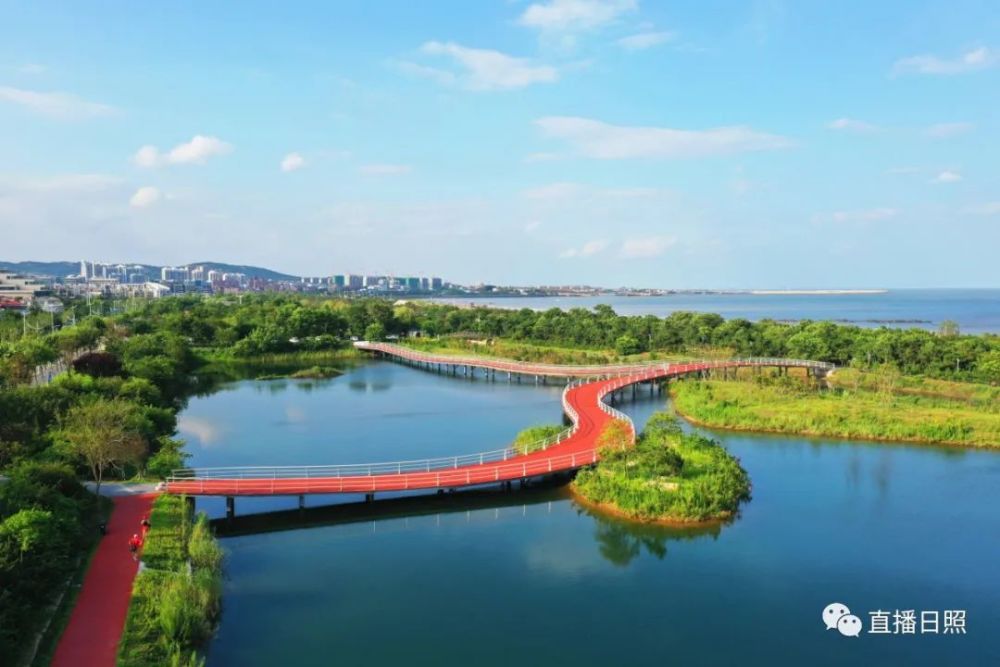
x,y
619,541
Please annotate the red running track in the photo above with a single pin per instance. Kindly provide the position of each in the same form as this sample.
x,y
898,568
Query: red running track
x,y
95,626
582,403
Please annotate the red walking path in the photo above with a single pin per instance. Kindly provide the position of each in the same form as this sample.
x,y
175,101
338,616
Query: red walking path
x,y
575,448
95,626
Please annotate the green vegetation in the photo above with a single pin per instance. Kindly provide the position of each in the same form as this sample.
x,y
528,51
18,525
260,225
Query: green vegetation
x,y
47,529
874,406
667,476
176,598
135,363
532,438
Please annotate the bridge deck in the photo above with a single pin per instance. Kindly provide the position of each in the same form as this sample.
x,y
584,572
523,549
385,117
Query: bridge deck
x,y
582,402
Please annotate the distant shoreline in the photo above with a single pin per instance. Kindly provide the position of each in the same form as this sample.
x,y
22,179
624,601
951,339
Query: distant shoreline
x,y
814,292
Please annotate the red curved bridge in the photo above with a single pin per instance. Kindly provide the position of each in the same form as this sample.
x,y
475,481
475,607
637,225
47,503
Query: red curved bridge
x,y
576,447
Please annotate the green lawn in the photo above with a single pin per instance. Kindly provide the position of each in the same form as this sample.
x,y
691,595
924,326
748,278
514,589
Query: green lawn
x,y
904,409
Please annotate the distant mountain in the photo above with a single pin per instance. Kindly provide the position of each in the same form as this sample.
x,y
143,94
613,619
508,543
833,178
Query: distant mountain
x,y
57,269
250,271
63,269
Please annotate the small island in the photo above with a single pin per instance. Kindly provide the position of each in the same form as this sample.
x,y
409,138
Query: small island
x,y
667,476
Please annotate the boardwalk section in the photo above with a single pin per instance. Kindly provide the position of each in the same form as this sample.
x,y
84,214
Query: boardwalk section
x,y
582,401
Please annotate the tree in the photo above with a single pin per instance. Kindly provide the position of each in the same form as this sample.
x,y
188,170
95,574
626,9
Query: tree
x,y
627,344
374,331
948,328
106,434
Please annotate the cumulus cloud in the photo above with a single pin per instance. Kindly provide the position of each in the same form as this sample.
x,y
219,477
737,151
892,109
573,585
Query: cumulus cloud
x,y
851,125
969,61
58,105
948,176
292,162
645,40
144,197
947,130
384,169
862,215
575,15
652,246
196,151
595,139
588,249
481,69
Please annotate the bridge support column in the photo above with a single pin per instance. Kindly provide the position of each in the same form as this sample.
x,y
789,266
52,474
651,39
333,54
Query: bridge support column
x,y
302,502
230,507
369,497
190,503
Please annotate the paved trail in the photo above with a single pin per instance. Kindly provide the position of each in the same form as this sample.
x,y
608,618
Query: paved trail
x,y
95,627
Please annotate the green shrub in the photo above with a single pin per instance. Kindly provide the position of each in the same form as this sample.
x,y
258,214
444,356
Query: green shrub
x,y
667,475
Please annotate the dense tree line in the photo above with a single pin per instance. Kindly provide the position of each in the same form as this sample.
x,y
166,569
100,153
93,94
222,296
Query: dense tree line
x,y
117,412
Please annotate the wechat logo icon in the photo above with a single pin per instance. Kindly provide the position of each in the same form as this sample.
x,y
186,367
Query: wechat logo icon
x,y
836,616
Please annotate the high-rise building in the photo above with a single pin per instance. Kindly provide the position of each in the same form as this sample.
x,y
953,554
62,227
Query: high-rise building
x,y
436,283
170,274
354,281
339,281
412,283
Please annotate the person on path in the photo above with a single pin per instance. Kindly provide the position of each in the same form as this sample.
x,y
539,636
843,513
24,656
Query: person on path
x,y
134,543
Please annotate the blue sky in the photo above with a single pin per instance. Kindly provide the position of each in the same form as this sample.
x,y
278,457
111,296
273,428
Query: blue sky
x,y
610,142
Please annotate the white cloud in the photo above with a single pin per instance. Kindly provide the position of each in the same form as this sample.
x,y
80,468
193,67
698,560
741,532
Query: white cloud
x,y
541,157
292,161
553,191
482,69
989,208
144,197
970,61
32,68
384,169
69,183
196,151
862,215
574,15
61,106
588,249
645,40
947,176
851,125
946,130
531,226
653,246
595,139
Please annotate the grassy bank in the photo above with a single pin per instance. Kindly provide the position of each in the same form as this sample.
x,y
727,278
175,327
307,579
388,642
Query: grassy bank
x,y
866,407
176,598
531,439
667,476
538,353
223,364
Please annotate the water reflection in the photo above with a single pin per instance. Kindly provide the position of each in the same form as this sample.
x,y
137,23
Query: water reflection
x,y
620,542
617,541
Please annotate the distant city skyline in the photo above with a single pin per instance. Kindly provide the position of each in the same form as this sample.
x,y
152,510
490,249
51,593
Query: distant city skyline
x,y
757,144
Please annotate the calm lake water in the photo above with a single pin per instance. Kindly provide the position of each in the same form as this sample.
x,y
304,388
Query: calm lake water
x,y
975,310
530,578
